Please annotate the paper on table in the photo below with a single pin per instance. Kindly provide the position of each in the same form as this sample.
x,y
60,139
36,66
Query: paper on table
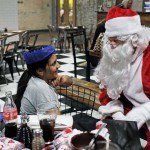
x,y
62,121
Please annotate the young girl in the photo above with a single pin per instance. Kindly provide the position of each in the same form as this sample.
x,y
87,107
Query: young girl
x,y
36,85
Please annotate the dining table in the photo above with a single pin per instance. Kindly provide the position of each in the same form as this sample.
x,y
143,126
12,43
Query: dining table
x,y
66,31
11,33
123,133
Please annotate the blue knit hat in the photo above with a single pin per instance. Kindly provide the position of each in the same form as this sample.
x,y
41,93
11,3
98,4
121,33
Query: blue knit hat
x,y
38,55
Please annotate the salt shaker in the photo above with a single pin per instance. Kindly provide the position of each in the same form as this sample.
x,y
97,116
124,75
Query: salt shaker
x,y
38,142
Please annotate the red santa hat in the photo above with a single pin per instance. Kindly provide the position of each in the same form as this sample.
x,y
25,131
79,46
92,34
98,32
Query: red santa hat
x,y
121,21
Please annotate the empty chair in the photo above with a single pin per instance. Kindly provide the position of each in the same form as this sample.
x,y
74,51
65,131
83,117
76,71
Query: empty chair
x,y
9,56
80,33
22,47
26,43
55,40
31,41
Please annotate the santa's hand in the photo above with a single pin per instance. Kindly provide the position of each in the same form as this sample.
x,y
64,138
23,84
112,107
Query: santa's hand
x,y
140,114
119,116
111,108
104,132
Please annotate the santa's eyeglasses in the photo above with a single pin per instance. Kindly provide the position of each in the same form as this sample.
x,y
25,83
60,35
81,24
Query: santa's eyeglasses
x,y
113,41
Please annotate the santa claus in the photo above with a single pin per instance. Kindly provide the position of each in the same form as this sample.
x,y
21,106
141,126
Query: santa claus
x,y
124,70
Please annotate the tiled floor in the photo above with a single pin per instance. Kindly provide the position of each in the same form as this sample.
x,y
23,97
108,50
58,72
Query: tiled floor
x,y
67,67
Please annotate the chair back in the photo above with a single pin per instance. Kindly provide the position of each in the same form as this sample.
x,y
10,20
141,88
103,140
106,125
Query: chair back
x,y
31,41
80,33
55,37
80,97
22,44
52,30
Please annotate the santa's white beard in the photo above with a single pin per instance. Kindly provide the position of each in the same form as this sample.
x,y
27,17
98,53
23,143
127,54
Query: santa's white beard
x,y
113,69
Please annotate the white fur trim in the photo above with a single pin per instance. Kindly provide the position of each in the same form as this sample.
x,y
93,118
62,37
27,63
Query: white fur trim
x,y
123,26
134,91
112,107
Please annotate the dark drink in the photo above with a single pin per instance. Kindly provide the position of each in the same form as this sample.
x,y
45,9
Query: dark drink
x,y
47,126
11,130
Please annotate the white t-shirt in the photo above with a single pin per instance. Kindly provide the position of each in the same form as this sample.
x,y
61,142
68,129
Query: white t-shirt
x,y
38,94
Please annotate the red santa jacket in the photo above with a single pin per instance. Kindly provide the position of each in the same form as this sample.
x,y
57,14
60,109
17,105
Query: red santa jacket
x,y
138,91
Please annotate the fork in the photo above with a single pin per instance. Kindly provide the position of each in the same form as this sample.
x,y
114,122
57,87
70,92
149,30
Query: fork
x,y
96,135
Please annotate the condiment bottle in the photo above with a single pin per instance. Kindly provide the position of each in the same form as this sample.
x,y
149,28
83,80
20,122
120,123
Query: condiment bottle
x,y
10,116
24,134
38,142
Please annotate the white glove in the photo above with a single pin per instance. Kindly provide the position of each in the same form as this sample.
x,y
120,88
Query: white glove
x,y
119,116
111,108
140,114
104,132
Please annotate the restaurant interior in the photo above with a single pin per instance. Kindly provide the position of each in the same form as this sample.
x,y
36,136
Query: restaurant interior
x,y
69,26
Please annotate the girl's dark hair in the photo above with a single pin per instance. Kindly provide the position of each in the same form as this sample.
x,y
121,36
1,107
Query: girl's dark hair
x,y
24,79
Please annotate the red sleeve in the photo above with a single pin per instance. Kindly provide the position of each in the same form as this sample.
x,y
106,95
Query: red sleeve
x,y
146,72
103,97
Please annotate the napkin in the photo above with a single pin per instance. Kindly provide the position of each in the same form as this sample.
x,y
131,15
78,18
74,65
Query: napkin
x,y
10,144
62,121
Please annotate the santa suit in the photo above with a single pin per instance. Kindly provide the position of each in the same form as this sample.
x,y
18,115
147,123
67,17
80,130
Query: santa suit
x,y
134,103
137,93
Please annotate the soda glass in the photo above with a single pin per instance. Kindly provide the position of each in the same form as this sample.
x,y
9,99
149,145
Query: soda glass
x,y
47,122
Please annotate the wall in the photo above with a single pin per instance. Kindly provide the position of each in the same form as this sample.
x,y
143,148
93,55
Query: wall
x,y
9,16
36,14
86,12
33,14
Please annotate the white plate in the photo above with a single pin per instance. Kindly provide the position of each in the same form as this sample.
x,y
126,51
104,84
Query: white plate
x,y
62,122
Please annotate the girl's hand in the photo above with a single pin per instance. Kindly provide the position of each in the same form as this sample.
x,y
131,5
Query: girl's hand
x,y
62,80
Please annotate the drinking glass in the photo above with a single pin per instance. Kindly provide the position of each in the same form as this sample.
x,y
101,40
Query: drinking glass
x,y
47,122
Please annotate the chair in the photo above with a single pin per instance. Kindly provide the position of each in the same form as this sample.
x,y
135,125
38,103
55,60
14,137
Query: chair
x,y
80,33
79,99
21,47
9,56
2,63
26,43
31,41
55,40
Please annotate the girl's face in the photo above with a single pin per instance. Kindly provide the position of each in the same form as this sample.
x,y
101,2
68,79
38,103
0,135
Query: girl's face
x,y
51,70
